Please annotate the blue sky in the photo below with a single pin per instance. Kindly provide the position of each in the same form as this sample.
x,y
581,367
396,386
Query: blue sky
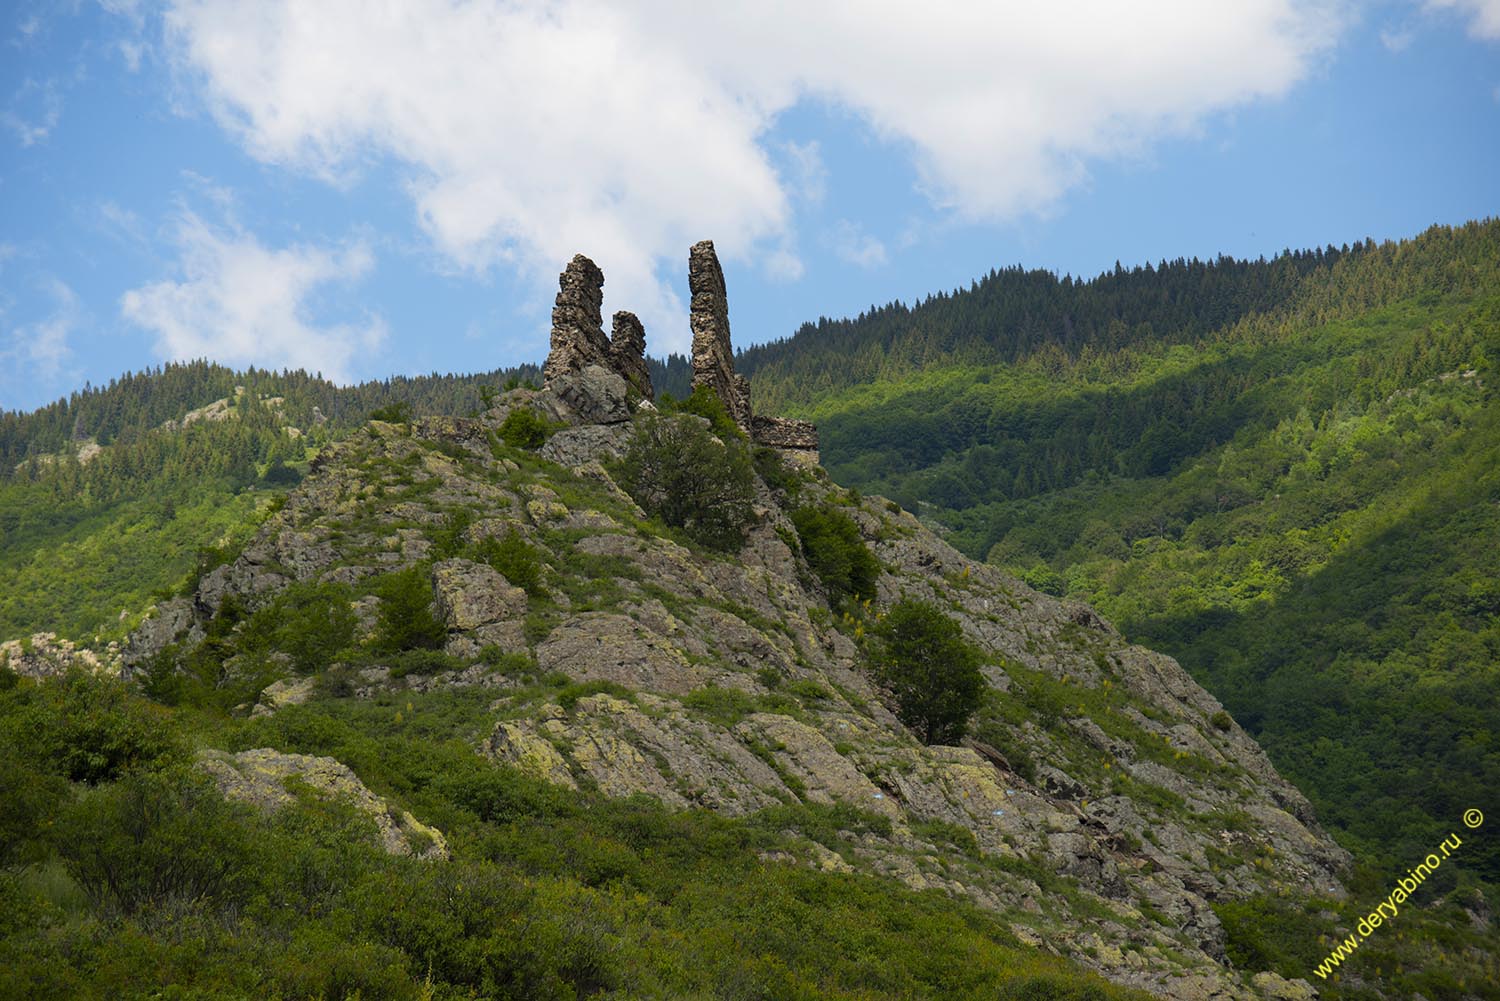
x,y
368,191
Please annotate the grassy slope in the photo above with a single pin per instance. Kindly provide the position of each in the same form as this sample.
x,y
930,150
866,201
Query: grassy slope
x,y
90,577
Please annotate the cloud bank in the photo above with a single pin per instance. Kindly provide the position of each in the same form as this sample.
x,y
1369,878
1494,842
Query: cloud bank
x,y
533,130
241,303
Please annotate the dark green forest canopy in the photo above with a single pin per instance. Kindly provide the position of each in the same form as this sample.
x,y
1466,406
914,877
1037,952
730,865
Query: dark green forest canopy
x,y
1284,473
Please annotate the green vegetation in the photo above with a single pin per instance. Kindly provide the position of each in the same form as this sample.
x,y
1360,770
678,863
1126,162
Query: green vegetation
x,y
309,623
148,881
88,540
407,620
837,554
1282,473
677,471
704,402
1425,950
523,428
393,413
515,558
921,655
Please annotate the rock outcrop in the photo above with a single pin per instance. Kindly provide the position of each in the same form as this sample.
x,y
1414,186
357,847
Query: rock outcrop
x,y
713,360
578,339
44,655
259,777
642,665
785,433
589,379
627,353
713,354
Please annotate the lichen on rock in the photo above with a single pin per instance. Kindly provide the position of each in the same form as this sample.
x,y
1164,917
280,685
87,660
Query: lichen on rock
x,y
259,777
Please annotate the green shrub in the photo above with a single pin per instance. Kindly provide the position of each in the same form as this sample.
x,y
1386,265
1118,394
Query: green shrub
x,y
508,662
30,798
515,559
837,553
704,402
406,620
421,661
394,413
806,688
944,833
826,824
523,428
1263,933
1046,580
310,622
677,471
158,839
279,474
448,540
777,473
725,706
86,728
1221,720
921,655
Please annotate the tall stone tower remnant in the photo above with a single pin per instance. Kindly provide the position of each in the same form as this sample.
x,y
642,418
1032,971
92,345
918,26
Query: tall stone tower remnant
x,y
578,339
593,374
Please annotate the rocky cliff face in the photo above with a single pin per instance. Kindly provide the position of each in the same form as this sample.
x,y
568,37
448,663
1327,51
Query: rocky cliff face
x,y
1102,803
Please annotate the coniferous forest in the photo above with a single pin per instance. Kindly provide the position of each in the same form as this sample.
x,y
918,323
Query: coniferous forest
x,y
1285,473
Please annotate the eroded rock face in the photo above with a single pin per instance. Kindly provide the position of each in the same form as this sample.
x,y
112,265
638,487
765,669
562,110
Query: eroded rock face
x,y
259,777
44,655
593,395
470,595
578,339
713,356
627,353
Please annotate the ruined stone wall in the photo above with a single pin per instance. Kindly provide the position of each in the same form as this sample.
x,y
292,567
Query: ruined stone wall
x,y
784,432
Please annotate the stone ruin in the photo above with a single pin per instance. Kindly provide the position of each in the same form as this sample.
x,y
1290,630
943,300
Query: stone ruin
x,y
588,371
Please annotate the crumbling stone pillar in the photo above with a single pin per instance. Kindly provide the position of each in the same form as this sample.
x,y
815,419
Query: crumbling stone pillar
x,y
578,339
627,352
713,357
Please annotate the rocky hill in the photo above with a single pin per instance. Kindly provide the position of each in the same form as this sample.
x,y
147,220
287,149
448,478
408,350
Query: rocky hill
x,y
1101,803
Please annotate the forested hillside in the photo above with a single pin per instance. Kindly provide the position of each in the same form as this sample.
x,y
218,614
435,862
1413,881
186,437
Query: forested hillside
x,y
107,497
1283,472
110,496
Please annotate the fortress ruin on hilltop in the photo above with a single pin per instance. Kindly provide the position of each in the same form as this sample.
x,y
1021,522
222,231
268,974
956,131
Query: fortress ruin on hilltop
x,y
578,341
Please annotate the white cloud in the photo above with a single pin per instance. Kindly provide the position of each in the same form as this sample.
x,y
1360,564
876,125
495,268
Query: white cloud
x,y
241,303
123,225
854,245
534,130
38,352
34,111
783,265
1483,15
1396,39
809,175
